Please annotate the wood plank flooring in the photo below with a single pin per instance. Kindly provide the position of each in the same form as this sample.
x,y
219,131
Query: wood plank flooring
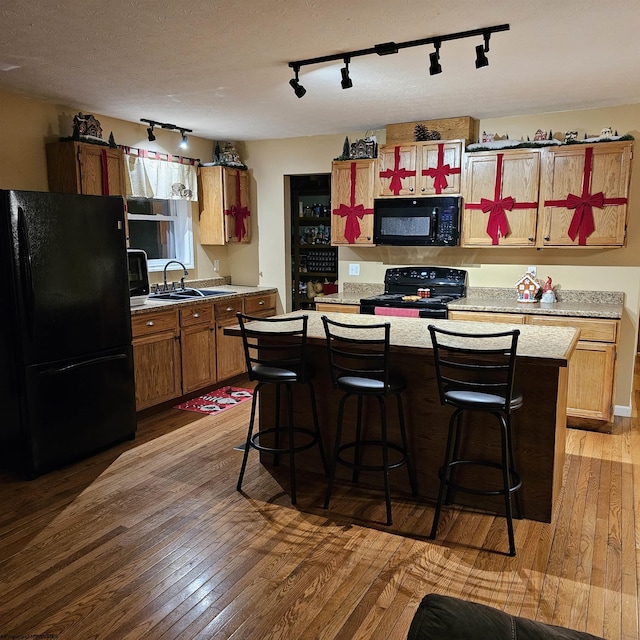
x,y
151,540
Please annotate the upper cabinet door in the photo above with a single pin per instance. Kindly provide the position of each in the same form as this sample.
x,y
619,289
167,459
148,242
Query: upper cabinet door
x,y
500,192
352,188
236,205
224,205
584,195
397,170
439,167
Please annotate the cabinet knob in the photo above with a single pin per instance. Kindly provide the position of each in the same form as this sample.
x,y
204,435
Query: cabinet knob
x,y
411,189
547,238
261,302
151,323
196,315
530,239
422,189
229,309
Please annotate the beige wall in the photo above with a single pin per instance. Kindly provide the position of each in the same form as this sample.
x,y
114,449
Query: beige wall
x,y
26,124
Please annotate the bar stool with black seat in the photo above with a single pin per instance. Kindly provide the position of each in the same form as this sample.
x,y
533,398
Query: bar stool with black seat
x,y
475,373
359,366
276,354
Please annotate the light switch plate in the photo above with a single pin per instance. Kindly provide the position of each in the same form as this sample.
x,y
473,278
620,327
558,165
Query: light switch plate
x,y
216,265
354,269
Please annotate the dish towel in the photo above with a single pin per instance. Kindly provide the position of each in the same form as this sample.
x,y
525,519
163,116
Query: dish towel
x,y
392,311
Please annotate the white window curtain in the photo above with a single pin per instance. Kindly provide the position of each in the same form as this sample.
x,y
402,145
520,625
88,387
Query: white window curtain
x,y
159,178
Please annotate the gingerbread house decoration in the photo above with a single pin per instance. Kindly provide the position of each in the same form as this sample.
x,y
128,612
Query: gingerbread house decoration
x,y
527,288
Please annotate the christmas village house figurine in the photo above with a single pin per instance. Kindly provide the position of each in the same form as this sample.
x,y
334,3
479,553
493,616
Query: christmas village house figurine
x,y
527,289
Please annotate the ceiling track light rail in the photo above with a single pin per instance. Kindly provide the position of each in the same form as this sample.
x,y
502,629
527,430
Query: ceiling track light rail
x,y
389,48
184,141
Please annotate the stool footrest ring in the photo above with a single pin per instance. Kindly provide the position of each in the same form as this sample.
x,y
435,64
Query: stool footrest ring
x,y
255,440
371,467
517,483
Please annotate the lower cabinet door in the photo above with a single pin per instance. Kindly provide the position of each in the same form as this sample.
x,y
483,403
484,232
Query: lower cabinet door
x,y
198,357
229,353
157,368
591,380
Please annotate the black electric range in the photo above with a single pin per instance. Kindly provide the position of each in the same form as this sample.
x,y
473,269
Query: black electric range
x,y
436,286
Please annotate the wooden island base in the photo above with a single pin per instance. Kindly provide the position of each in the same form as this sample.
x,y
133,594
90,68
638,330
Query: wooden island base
x,y
539,430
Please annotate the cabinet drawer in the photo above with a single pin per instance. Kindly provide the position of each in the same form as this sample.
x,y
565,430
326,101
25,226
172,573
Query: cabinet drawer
x,y
594,329
196,314
144,325
225,311
487,316
259,304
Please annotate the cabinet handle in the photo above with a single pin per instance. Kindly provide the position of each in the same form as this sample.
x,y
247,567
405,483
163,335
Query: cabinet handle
x,y
151,323
229,309
261,302
197,315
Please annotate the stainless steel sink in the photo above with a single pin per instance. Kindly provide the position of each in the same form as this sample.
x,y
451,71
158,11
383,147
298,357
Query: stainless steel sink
x,y
188,294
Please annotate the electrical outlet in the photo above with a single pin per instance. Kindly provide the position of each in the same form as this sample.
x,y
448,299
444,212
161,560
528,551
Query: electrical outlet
x,y
533,271
354,269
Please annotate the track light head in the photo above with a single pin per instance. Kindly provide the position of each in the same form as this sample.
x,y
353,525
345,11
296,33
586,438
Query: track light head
x,y
434,60
150,135
346,80
184,141
298,89
481,58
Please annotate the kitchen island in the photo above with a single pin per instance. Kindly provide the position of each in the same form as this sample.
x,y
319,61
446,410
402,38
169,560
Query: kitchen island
x,y
539,427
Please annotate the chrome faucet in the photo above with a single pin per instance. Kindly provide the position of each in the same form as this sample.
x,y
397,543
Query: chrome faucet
x,y
186,273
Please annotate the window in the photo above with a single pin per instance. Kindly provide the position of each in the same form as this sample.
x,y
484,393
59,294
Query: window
x,y
163,229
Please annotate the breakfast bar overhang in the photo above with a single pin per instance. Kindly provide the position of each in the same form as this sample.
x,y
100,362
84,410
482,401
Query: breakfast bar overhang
x,y
539,428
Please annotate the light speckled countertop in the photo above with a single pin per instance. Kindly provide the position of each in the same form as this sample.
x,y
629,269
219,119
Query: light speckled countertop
x,y
585,304
536,343
234,291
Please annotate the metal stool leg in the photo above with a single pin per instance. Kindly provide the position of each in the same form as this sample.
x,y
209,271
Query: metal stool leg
x,y
336,451
316,425
247,445
506,483
405,445
292,457
357,457
385,457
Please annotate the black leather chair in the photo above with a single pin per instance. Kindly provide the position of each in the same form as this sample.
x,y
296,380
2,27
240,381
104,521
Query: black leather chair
x,y
359,366
275,354
475,373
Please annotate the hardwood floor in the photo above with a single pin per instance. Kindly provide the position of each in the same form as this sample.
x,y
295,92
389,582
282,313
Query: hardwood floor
x,y
151,540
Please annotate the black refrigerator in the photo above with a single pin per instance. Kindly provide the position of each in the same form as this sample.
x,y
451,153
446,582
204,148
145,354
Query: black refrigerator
x,y
66,361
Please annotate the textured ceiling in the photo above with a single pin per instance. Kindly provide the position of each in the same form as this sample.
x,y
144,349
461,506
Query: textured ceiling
x,y
219,67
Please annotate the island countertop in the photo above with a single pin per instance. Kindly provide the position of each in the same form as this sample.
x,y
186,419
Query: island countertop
x,y
540,344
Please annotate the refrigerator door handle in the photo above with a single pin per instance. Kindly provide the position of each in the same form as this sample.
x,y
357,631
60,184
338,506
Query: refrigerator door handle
x,y
24,257
85,363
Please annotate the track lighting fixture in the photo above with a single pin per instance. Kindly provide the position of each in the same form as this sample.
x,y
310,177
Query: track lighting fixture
x,y
389,48
434,60
166,125
346,80
298,89
481,58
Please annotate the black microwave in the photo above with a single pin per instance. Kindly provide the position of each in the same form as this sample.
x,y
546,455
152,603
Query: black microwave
x,y
138,277
425,221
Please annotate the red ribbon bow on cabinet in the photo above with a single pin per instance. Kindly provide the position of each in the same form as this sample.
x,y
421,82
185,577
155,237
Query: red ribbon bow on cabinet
x,y
238,212
440,172
353,212
397,173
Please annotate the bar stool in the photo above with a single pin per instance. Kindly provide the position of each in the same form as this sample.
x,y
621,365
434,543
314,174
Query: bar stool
x,y
275,353
359,366
475,372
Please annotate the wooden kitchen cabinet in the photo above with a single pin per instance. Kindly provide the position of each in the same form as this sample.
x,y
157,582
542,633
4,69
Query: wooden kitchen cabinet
x,y
198,347
224,204
90,169
352,189
229,350
420,168
573,176
156,357
591,369
261,305
500,187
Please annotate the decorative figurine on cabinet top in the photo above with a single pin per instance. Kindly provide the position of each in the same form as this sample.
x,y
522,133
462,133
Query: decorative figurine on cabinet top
x,y
527,288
